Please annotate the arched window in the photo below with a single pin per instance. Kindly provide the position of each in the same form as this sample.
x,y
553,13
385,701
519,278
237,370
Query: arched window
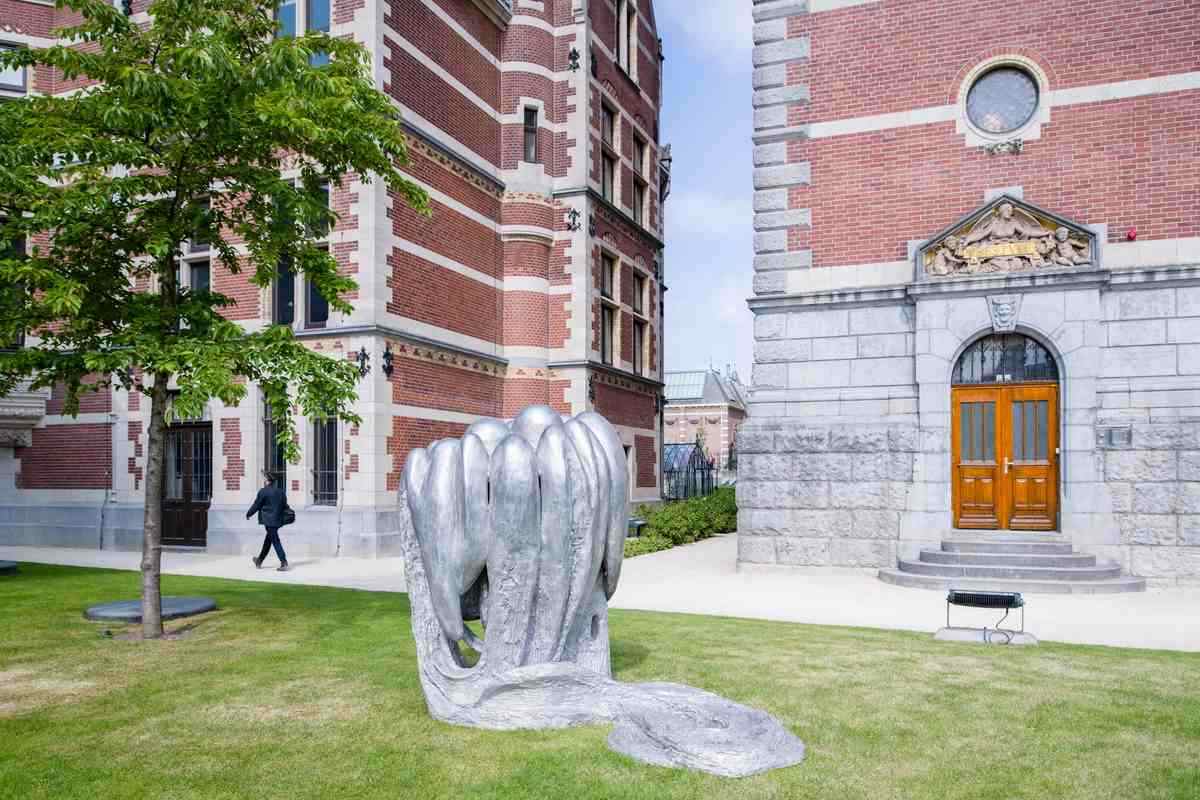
x,y
1005,358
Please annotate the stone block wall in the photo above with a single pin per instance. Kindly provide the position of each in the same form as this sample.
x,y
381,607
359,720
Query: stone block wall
x,y
1148,430
823,494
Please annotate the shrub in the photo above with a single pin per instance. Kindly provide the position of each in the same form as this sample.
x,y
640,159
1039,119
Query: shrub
x,y
685,521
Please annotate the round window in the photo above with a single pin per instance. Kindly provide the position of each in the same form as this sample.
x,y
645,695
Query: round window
x,y
1002,100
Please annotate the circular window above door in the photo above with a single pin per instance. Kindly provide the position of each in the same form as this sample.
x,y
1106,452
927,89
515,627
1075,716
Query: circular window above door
x,y
1002,100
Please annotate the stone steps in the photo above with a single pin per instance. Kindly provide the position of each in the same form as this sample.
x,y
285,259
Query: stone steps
x,y
1105,586
1009,559
1012,562
1002,546
1011,572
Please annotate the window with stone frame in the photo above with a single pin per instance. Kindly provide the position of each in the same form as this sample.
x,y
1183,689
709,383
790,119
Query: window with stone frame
x,y
639,293
325,462
608,324
531,135
13,80
608,169
639,347
288,283
627,44
608,126
309,16
274,461
608,276
639,201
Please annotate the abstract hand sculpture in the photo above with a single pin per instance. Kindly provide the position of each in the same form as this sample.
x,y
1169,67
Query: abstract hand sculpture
x,y
522,527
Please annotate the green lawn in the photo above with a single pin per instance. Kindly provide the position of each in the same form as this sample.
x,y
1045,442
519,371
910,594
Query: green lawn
x,y
300,692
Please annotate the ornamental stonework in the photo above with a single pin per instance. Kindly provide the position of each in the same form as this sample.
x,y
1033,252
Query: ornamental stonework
x,y
1007,236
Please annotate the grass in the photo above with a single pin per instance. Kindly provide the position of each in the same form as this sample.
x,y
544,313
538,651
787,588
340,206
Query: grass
x,y
302,692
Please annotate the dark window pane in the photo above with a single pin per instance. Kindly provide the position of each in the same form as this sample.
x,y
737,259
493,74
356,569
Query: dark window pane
x,y
606,125
606,335
1043,431
201,465
275,463
318,307
608,167
639,344
531,134
325,462
989,431
200,276
639,291
639,200
608,275
285,295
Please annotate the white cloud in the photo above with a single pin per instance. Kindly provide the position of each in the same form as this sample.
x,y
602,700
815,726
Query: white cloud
x,y
724,29
698,212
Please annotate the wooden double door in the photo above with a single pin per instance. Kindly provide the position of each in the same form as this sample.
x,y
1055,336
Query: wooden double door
x,y
188,490
1004,451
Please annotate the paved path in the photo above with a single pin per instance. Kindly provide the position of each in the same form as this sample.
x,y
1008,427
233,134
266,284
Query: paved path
x,y
701,579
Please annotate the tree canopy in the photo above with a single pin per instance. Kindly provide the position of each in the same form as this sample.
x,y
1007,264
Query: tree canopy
x,y
199,125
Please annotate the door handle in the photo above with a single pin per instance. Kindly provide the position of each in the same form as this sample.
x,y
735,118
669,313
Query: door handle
x,y
1006,465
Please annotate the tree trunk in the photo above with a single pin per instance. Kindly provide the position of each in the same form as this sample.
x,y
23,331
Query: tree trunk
x,y
152,520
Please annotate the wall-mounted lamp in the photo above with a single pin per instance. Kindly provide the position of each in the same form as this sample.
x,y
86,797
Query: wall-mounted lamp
x,y
364,362
388,358
573,220
573,60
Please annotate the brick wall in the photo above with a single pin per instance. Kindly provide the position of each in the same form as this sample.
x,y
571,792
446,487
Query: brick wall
x,y
1122,162
409,434
625,406
67,457
647,461
231,448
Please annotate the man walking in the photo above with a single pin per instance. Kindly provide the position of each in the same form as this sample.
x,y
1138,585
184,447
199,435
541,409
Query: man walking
x,y
270,505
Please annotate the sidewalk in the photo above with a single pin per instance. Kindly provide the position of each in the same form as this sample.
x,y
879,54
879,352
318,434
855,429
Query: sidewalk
x,y
702,579
376,575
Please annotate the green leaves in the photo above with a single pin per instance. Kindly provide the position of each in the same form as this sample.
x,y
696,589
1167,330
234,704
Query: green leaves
x,y
183,129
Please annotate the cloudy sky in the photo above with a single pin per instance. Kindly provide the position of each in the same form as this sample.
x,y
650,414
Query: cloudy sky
x,y
707,118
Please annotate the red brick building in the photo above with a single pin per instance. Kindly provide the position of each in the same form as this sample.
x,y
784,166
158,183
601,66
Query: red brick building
x,y
977,288
707,405
538,279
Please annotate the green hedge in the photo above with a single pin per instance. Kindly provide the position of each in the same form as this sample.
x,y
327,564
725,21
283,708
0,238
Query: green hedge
x,y
685,521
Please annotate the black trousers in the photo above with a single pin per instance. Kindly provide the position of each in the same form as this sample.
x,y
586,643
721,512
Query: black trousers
x,y
272,540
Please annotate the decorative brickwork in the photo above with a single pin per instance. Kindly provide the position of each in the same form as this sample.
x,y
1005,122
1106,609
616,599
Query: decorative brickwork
x,y
67,457
231,448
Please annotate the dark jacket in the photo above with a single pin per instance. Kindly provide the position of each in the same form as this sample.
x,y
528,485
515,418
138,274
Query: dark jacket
x,y
270,503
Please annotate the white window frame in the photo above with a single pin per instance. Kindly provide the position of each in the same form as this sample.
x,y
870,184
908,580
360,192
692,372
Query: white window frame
x,y
13,89
300,305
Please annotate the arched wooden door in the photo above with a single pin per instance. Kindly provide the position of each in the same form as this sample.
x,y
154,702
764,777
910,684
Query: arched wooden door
x,y
1004,436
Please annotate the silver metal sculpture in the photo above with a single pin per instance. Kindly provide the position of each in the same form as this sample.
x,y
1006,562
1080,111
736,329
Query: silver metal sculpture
x,y
522,527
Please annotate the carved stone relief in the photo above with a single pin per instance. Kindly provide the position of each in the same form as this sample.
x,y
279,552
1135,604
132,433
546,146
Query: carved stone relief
x,y
1005,309
1007,238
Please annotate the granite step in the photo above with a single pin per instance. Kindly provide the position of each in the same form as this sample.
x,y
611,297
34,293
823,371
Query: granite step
x,y
1012,572
1005,546
1027,586
930,556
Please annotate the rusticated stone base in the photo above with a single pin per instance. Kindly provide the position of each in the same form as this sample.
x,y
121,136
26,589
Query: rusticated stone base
x,y
823,494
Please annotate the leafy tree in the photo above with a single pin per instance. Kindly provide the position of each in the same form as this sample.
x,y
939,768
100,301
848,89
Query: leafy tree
x,y
182,133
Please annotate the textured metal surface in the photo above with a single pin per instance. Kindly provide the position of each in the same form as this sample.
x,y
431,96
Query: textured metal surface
x,y
523,527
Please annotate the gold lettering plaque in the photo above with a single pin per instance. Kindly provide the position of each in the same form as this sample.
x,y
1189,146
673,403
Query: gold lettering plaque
x,y
1027,248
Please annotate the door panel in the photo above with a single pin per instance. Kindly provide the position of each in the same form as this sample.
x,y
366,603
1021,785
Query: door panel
x,y
188,485
975,471
1004,469
1033,469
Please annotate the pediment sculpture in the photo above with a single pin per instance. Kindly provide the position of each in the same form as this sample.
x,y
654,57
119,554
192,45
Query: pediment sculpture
x,y
1007,236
